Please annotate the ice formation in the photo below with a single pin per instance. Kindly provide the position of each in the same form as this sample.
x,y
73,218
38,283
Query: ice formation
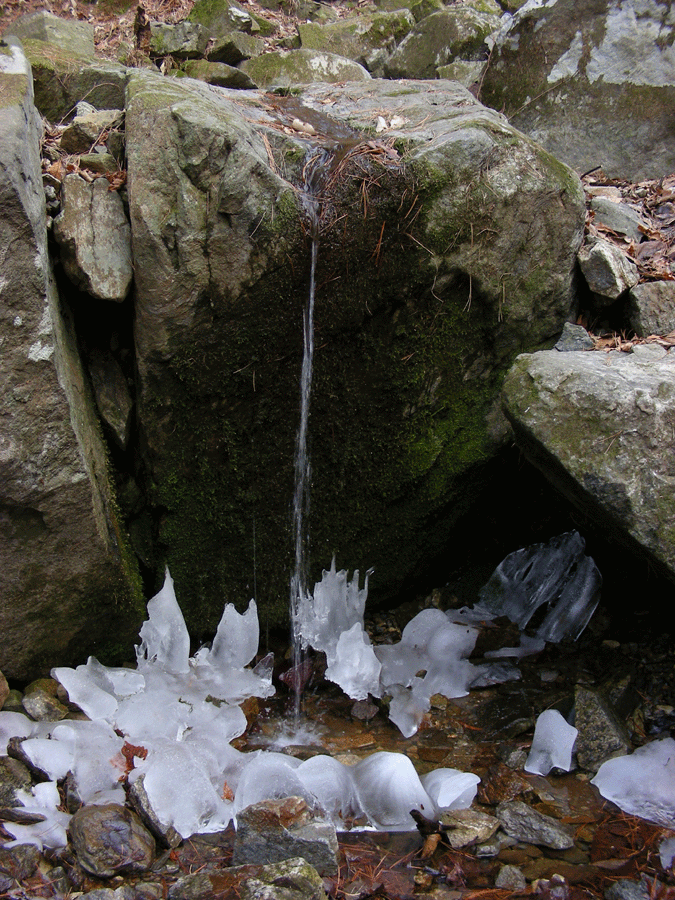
x,y
175,716
552,744
432,655
643,783
557,575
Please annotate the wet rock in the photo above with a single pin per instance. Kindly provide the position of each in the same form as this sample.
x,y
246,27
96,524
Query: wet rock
x,y
186,40
291,879
651,308
18,864
94,235
192,887
139,799
526,824
607,270
627,889
4,690
364,710
275,830
574,337
125,892
510,878
14,776
601,734
110,840
50,29
41,703
13,701
466,827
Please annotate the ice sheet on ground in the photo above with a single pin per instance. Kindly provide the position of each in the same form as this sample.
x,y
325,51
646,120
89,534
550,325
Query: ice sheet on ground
x,y
557,574
552,744
643,783
388,787
450,788
44,800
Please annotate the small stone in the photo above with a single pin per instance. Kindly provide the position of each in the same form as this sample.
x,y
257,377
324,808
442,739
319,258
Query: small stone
x,y
606,269
275,830
364,710
510,878
627,889
14,776
13,701
526,824
110,840
467,827
40,702
290,879
601,734
574,337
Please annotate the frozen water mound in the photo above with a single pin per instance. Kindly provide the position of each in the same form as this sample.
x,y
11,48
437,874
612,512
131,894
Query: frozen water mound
x,y
557,575
388,788
552,744
643,783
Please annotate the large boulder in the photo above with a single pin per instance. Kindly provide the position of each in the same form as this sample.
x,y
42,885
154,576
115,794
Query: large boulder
x,y
593,81
445,249
65,579
600,427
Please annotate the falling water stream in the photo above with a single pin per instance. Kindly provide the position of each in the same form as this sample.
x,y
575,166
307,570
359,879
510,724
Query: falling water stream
x,y
303,469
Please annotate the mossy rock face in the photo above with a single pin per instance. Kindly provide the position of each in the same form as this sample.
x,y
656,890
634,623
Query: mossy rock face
x,y
457,32
286,69
567,72
367,38
570,412
445,247
62,78
68,581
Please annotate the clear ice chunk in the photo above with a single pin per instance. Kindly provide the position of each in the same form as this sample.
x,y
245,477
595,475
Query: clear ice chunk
x,y
270,776
408,706
450,788
354,665
43,800
556,574
237,638
332,784
164,636
388,788
14,724
643,783
552,744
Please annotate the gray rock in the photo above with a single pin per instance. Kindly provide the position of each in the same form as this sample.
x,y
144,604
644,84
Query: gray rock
x,y
276,830
601,734
62,560
618,216
511,878
125,892
286,68
566,73
458,32
466,72
651,308
186,40
86,129
526,824
221,255
589,420
94,235
110,840
221,17
573,338
50,29
14,776
234,48
626,889
112,396
608,271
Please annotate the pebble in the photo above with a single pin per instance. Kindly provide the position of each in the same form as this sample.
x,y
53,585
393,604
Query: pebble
x,y
110,840
526,824
510,878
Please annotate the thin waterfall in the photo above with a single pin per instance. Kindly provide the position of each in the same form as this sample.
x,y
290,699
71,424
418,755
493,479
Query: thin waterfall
x,y
303,469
